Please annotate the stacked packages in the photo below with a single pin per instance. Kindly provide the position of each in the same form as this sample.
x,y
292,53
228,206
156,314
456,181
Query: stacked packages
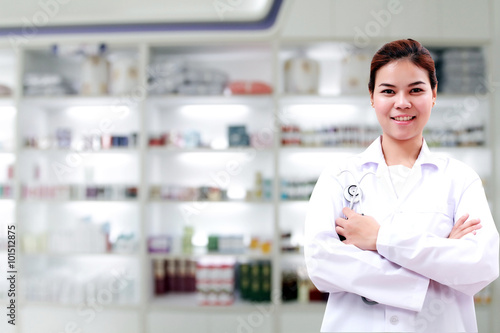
x,y
462,71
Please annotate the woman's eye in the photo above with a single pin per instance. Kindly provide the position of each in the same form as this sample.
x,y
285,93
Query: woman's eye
x,y
388,91
416,90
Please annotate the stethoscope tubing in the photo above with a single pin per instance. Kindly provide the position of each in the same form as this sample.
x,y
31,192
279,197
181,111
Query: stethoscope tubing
x,y
357,191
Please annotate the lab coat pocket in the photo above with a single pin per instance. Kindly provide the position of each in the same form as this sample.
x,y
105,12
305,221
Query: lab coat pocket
x,y
435,218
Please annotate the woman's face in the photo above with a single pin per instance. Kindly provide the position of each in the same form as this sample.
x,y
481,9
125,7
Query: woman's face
x,y
403,99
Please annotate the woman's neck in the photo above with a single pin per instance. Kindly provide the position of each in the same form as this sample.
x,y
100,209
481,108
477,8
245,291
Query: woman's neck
x,y
401,152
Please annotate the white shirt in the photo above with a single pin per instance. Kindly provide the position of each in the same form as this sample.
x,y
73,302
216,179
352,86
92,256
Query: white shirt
x,y
423,281
398,174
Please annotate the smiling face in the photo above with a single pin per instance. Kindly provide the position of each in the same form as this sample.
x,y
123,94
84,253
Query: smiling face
x,y
403,99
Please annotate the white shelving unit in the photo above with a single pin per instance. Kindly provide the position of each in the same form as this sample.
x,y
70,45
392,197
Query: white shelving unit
x,y
7,162
48,170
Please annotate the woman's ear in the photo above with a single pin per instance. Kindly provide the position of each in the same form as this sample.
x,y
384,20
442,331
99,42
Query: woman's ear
x,y
434,95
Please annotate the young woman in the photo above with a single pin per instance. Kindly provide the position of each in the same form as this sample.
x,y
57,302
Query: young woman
x,y
388,233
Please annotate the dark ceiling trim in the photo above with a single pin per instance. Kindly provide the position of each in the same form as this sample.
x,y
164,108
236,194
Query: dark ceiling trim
x,y
265,23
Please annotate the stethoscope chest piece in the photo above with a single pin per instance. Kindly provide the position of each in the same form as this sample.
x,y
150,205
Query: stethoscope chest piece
x,y
352,193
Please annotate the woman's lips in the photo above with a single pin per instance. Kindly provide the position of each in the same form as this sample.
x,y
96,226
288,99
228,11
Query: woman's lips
x,y
403,119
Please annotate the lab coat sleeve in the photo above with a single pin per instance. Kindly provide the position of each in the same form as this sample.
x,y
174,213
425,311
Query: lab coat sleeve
x,y
467,264
336,267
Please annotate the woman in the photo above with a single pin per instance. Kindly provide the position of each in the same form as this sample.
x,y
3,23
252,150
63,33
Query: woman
x,y
410,259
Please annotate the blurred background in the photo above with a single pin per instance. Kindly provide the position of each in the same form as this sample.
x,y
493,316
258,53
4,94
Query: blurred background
x,y
156,157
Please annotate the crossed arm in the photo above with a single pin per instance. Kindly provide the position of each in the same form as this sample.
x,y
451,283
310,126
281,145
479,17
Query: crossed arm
x,y
362,231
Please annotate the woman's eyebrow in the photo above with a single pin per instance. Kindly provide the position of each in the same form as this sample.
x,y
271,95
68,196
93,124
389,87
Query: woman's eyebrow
x,y
386,85
416,83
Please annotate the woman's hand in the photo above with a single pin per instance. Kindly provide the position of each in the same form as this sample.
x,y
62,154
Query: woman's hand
x,y
359,230
462,228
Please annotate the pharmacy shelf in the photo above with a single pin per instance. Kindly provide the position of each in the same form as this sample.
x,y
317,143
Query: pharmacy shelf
x,y
151,115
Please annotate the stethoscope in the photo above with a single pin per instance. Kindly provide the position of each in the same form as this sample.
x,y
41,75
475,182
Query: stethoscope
x,y
353,194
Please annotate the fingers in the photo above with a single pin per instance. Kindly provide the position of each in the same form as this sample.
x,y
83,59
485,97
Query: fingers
x,y
476,227
461,228
340,222
348,212
468,230
472,222
462,219
472,226
340,231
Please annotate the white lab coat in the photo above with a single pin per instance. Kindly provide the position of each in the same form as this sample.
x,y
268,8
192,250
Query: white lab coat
x,y
423,281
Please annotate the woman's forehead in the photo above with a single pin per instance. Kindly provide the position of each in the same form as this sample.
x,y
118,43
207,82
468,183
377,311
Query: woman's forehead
x,y
401,72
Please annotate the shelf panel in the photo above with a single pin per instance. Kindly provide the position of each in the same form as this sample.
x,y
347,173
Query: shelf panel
x,y
6,101
79,255
331,149
115,307
189,301
76,100
226,202
236,256
243,150
480,150
294,201
292,255
63,201
286,99
123,150
209,100
314,306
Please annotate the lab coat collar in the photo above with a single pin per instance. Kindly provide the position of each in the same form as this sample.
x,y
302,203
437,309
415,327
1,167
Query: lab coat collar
x,y
374,154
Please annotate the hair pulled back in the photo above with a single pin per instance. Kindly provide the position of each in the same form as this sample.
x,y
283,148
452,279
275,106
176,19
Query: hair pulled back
x,y
402,49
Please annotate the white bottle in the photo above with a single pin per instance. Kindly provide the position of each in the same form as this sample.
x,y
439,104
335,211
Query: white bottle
x,y
95,76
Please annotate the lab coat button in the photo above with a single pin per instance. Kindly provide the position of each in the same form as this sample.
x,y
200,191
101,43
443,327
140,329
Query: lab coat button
x,y
394,320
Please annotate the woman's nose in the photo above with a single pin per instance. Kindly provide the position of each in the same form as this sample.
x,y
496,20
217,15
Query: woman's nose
x,y
402,101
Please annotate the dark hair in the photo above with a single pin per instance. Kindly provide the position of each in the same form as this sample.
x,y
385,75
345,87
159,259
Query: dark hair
x,y
403,49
